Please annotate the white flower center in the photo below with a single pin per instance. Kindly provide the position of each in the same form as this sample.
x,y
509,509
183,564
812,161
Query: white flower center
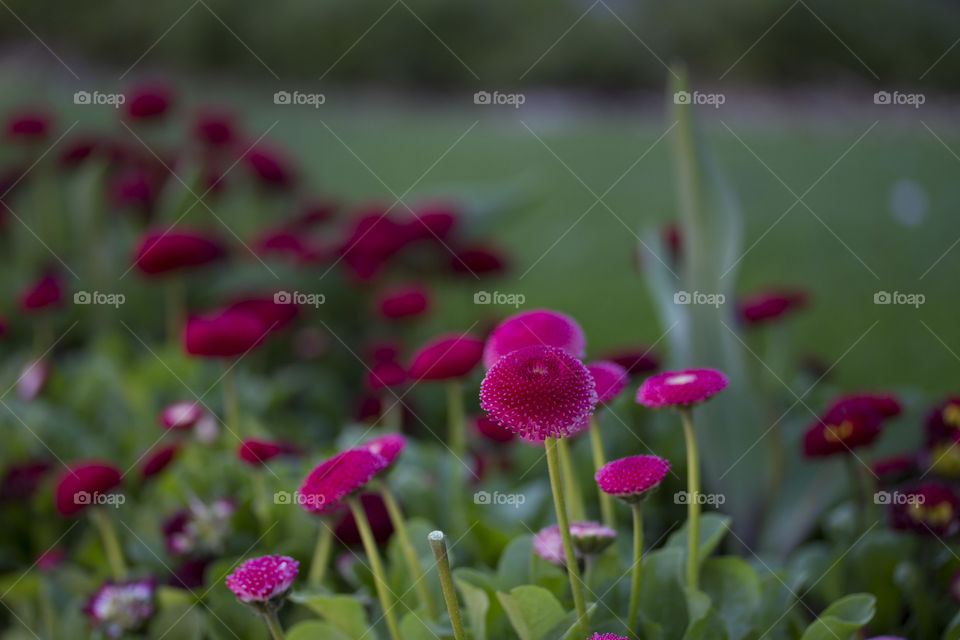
x,y
684,378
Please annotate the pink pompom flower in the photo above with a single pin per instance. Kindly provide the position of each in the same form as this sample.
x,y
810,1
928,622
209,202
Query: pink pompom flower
x,y
45,293
264,581
610,379
591,538
539,392
29,125
446,357
633,478
493,431
681,388
825,438
548,544
769,306
943,422
403,302
541,327
384,375
388,446
178,416
635,360
214,128
331,482
256,452
121,608
83,483
147,102
882,404
158,460
224,334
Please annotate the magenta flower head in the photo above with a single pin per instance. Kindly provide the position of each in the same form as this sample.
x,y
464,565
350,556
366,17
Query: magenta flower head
x,y
769,306
167,250
632,479
943,421
158,460
826,438
493,431
446,357
45,293
148,102
257,453
384,375
681,388
177,416
403,302
591,538
325,488
388,446
539,392
263,582
548,544
214,128
121,608
83,484
609,378
28,125
477,260
635,360
270,167
224,334
882,404
541,327
931,509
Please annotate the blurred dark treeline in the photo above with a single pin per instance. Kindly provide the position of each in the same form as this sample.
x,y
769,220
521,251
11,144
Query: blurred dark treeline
x,y
499,42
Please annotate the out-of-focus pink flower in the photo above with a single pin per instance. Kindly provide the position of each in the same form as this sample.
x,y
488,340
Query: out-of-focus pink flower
x,y
388,446
609,379
224,334
681,388
493,431
635,360
895,470
541,327
270,167
273,313
883,404
477,260
591,538
548,544
853,431
332,481
768,306
33,379
201,530
214,128
78,150
407,301
158,460
633,478
51,559
20,481
165,250
384,375
539,392
80,485
118,609
347,532
943,421
180,415
263,580
446,357
134,188
45,293
383,351
148,101
257,452
433,221
28,125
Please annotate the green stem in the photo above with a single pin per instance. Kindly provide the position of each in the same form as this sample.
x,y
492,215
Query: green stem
x,y
111,544
379,578
458,445
231,408
693,498
637,564
573,571
589,564
273,623
409,553
577,511
439,545
599,459
174,293
856,492
321,555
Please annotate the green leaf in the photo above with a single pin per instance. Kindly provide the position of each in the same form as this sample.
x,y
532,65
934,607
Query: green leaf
x,y
567,628
734,589
477,604
843,618
178,615
713,526
513,569
314,629
662,596
698,614
533,611
414,626
343,612
953,629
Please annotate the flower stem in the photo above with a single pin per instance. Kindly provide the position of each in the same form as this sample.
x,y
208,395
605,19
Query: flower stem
x,y
230,406
273,623
409,553
693,498
111,544
573,571
458,445
379,578
321,555
439,545
599,459
637,564
174,293
856,492
575,504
